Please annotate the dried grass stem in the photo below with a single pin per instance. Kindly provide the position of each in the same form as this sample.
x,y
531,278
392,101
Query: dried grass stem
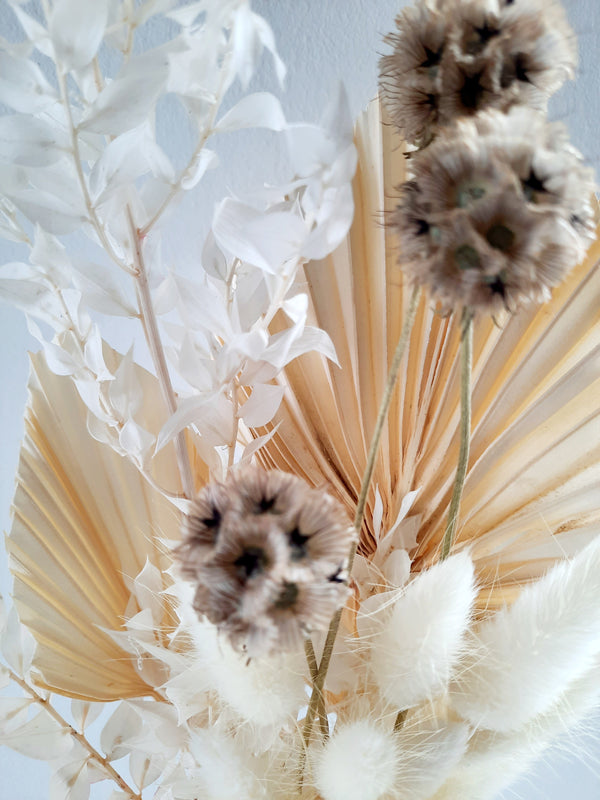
x,y
466,362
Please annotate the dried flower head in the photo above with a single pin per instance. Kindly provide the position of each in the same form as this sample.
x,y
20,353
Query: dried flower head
x,y
497,211
267,554
453,59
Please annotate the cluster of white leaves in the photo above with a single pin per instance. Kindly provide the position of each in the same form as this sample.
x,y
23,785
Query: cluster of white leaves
x,y
79,153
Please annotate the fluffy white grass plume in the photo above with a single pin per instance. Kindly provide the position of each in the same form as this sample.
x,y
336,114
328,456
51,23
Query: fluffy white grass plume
x,y
420,640
522,660
428,756
359,762
227,771
265,692
494,760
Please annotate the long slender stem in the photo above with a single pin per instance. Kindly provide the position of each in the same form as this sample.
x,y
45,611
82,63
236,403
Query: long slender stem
x,y
79,737
157,352
466,360
319,680
97,225
313,666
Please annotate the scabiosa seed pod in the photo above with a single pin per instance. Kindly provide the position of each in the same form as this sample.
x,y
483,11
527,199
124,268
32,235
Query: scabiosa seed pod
x,y
453,59
497,211
267,554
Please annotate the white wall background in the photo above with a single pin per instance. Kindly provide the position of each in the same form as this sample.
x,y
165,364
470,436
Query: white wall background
x,y
321,42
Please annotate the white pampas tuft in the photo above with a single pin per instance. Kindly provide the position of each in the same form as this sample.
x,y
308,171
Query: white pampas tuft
x,y
524,658
360,762
420,641
428,756
266,692
227,772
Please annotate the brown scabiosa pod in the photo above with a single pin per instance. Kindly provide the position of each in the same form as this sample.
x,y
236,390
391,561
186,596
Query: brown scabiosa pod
x,y
452,59
267,554
497,211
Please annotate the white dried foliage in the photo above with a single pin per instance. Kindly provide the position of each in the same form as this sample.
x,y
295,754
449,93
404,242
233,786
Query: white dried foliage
x,y
419,638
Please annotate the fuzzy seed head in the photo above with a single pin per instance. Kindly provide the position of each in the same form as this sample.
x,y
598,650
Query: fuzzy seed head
x,y
454,59
267,554
497,211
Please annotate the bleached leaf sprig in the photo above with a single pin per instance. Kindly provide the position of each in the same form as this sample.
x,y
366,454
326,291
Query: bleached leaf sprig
x,y
79,152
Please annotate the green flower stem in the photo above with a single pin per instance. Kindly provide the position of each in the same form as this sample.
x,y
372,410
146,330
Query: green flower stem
x,y
311,658
319,680
466,362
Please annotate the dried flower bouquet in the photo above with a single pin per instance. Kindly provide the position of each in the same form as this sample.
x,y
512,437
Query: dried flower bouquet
x,y
341,542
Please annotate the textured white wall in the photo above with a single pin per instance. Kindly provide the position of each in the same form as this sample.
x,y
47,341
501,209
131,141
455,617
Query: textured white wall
x,y
322,42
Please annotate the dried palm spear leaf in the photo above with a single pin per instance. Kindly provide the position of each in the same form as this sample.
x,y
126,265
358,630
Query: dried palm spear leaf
x,y
531,493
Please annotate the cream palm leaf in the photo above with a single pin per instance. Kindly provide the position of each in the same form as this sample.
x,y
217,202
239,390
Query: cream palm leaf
x,y
531,493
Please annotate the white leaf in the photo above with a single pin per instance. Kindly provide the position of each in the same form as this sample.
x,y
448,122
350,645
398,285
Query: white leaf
x,y
85,713
123,726
126,101
71,781
315,340
54,214
266,240
60,361
30,141
136,441
262,404
544,642
249,35
77,29
129,156
416,646
36,33
23,86
144,768
125,391
147,589
203,306
214,262
205,159
17,645
41,737
187,413
89,389
13,712
94,357
101,291
258,110
51,256
333,222
255,445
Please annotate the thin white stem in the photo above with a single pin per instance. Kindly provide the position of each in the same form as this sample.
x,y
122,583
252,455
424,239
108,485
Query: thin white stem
x,y
100,760
466,360
203,138
93,217
157,352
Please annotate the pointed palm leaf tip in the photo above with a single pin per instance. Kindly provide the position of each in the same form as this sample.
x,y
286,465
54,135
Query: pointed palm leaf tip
x,y
529,492
85,522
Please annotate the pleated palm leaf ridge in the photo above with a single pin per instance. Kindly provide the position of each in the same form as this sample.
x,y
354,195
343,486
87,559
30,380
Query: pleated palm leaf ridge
x,y
85,523
531,493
